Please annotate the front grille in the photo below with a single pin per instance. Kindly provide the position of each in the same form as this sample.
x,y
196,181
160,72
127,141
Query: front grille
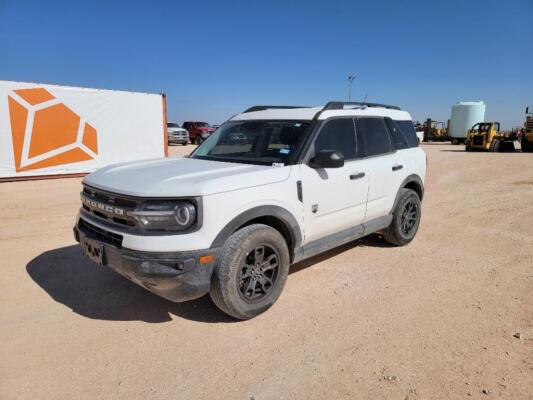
x,y
115,199
100,234
113,202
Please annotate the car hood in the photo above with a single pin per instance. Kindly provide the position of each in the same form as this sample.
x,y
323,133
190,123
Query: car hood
x,y
180,176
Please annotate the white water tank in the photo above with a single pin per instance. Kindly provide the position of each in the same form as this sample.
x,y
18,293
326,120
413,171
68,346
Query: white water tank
x,y
465,114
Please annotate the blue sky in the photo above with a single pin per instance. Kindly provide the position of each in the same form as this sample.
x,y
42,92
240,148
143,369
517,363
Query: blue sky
x,y
214,59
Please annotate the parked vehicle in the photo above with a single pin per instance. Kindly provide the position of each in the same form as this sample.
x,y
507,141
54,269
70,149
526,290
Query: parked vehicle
x,y
487,136
230,218
177,134
198,131
435,131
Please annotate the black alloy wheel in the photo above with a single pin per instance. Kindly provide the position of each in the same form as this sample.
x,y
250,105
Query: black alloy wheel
x,y
409,217
405,218
258,274
251,271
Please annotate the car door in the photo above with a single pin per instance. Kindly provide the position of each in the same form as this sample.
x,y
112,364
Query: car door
x,y
334,199
386,167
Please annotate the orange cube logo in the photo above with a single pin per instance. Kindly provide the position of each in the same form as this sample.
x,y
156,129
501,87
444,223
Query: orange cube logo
x,y
46,132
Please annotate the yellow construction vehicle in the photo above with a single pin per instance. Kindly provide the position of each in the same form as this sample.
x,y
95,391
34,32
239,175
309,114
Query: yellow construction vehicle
x,y
527,133
435,131
487,136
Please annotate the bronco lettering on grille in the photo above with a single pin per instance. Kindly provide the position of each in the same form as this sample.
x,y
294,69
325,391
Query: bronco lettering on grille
x,y
101,206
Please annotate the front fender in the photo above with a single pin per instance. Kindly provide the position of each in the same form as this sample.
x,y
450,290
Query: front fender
x,y
277,212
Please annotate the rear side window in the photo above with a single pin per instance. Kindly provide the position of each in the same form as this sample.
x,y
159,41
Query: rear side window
x,y
409,133
338,135
399,138
374,135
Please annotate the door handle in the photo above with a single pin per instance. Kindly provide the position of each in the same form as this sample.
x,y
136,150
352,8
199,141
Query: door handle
x,y
357,175
397,167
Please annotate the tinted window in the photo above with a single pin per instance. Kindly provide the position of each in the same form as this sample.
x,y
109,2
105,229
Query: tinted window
x,y
172,125
409,133
375,136
400,141
338,135
254,142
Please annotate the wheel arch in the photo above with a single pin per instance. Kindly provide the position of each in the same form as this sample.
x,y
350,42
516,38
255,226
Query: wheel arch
x,y
413,182
274,216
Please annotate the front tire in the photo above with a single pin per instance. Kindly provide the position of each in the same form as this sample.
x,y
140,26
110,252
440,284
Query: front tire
x,y
198,140
251,272
495,145
405,219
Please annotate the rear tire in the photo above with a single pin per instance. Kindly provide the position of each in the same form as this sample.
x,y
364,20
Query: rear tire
x,y
405,219
251,271
198,140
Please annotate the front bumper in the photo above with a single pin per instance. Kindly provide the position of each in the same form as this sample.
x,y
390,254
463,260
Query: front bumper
x,y
176,276
178,140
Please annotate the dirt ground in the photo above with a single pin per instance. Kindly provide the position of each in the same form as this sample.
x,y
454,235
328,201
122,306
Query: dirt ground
x,y
433,320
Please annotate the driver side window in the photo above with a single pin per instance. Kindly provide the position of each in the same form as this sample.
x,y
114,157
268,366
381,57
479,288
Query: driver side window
x,y
339,135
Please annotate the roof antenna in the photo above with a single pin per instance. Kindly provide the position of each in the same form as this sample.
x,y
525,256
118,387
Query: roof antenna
x,y
364,100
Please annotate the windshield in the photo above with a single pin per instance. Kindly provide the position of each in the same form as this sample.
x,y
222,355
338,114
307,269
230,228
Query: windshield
x,y
485,127
172,125
201,124
254,142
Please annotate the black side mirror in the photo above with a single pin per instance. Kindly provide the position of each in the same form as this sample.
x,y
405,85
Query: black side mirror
x,y
327,159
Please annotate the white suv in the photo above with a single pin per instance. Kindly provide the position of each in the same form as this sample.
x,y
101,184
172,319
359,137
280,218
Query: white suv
x,y
272,186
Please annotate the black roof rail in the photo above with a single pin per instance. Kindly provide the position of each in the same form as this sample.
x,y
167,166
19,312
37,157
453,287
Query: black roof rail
x,y
339,105
263,108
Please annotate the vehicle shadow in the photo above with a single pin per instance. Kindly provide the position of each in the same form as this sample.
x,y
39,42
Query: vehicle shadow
x,y
100,293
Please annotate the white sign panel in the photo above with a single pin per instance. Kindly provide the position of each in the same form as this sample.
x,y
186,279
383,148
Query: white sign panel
x,y
56,130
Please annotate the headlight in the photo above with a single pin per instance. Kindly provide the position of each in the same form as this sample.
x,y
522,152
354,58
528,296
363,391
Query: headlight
x,y
166,216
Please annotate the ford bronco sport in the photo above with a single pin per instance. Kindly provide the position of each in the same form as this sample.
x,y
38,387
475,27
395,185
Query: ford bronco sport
x,y
231,217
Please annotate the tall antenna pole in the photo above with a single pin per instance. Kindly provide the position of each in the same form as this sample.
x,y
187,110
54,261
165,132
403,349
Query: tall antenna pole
x,y
350,80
